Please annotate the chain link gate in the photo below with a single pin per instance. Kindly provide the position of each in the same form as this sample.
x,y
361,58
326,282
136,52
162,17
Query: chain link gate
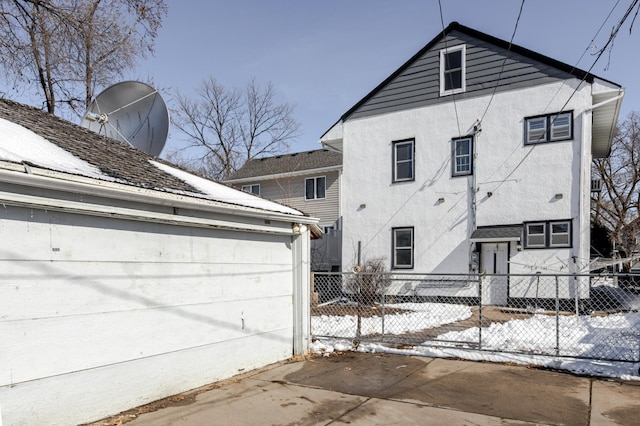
x,y
582,316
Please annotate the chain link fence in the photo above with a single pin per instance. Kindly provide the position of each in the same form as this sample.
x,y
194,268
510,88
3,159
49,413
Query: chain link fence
x,y
583,316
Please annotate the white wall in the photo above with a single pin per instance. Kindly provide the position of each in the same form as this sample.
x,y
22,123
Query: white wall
x,y
99,315
523,179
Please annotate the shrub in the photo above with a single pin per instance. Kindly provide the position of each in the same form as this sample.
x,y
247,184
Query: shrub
x,y
369,281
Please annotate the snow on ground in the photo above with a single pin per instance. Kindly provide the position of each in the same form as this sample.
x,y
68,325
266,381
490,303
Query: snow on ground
x,y
18,144
219,192
613,336
419,315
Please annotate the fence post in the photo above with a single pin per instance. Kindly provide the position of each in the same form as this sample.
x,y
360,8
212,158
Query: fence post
x,y
358,330
576,286
557,318
382,302
480,311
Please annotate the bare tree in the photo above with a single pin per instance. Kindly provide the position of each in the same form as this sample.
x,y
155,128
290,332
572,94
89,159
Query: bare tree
x,y
226,127
616,207
66,48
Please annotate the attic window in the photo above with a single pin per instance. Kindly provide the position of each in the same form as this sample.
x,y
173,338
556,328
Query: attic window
x,y
453,70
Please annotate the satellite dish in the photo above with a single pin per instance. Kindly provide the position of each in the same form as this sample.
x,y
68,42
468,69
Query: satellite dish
x,y
131,112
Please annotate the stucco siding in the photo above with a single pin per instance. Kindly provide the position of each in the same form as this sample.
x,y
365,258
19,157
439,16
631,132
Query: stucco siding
x,y
160,308
513,182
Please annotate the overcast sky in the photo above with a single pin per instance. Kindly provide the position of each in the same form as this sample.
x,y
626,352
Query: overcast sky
x,y
323,56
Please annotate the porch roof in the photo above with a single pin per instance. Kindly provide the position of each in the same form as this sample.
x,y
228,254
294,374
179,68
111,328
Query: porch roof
x,y
497,233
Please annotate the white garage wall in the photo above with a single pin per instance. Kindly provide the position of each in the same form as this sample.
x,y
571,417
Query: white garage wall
x,y
99,315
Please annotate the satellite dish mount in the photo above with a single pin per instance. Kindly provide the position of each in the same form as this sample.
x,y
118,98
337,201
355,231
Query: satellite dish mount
x,y
130,112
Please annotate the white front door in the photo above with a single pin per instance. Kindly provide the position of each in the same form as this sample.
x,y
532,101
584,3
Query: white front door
x,y
493,261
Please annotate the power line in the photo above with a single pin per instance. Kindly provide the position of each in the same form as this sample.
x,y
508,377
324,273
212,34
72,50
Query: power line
x,y
585,50
613,35
503,62
601,52
455,107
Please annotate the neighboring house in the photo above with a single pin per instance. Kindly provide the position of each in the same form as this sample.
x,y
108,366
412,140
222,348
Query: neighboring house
x,y
126,279
475,156
306,181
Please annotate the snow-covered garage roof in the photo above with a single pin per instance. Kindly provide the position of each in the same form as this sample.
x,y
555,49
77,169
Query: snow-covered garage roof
x,y
35,138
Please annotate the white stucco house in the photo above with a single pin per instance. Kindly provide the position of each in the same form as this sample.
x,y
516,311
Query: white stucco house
x,y
474,156
125,279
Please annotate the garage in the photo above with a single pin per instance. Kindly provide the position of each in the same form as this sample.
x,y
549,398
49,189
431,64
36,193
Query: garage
x,y
126,279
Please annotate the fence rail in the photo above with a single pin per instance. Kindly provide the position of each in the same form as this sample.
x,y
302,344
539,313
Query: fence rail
x,y
583,316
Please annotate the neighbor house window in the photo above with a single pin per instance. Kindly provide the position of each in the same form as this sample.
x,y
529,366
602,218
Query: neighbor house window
x,y
403,161
452,70
315,188
550,234
402,248
462,157
549,128
254,189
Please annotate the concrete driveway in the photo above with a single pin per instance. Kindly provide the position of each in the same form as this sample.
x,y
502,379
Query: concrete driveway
x,y
382,389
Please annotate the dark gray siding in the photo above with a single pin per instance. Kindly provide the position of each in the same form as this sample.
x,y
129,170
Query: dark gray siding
x,y
419,85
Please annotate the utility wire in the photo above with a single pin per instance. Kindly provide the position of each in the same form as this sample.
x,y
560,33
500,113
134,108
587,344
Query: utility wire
x,y
504,61
585,51
455,107
613,35
601,52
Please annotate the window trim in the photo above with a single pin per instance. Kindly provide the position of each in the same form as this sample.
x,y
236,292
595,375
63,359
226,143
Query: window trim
x,y
463,69
250,188
454,157
394,171
549,121
315,188
548,234
394,248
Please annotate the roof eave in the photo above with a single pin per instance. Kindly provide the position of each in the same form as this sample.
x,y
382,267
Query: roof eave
x,y
605,112
455,26
285,174
53,180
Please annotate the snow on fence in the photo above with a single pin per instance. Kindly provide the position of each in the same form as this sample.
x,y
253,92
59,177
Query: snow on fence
x,y
580,316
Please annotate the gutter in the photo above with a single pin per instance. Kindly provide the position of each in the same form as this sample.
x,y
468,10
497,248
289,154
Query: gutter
x,y
285,174
50,180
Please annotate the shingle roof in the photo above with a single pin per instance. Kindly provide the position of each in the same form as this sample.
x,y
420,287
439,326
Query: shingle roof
x,y
120,161
117,162
288,163
506,232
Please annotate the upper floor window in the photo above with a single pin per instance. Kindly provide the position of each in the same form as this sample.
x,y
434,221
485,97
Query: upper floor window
x,y
403,160
402,248
315,188
453,70
462,158
254,189
548,234
548,128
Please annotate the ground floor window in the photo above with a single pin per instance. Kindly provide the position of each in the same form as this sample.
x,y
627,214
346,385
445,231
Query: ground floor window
x,y
548,234
402,248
